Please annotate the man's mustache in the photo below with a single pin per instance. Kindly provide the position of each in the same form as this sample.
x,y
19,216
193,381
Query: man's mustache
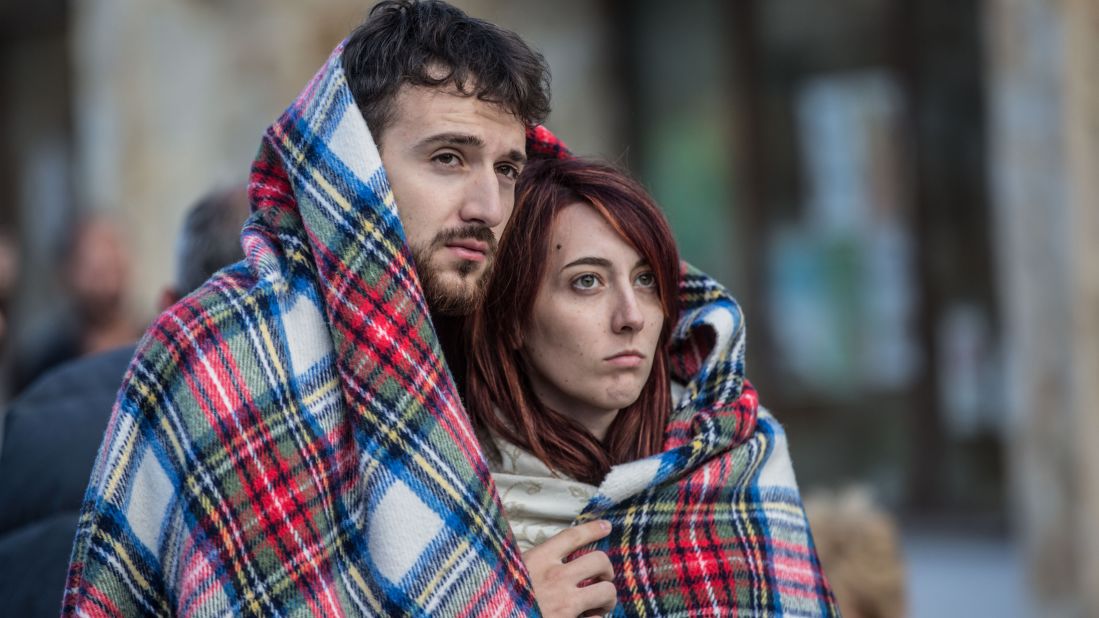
x,y
473,231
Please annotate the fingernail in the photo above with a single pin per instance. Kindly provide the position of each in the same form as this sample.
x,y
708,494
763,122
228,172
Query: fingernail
x,y
605,525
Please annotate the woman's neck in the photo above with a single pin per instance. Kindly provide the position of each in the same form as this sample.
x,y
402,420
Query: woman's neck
x,y
597,422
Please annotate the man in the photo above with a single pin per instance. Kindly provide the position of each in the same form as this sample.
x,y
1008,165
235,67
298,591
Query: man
x,y
96,277
54,428
289,439
208,241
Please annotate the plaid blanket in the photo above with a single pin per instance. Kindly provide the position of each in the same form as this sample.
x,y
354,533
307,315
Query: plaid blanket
x,y
713,525
288,440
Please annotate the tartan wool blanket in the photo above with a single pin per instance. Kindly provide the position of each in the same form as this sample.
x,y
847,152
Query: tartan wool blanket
x,y
713,525
288,439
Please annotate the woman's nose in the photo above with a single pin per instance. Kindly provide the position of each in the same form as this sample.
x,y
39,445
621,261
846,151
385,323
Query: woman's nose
x,y
627,315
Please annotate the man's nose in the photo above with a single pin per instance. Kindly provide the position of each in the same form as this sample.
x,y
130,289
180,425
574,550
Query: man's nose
x,y
484,202
627,316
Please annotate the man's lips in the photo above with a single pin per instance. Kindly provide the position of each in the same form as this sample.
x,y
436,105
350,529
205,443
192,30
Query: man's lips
x,y
469,249
626,358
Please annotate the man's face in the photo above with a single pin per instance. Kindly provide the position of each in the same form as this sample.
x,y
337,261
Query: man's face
x,y
97,272
452,162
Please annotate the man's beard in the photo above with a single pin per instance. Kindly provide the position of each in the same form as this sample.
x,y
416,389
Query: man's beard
x,y
444,299
98,309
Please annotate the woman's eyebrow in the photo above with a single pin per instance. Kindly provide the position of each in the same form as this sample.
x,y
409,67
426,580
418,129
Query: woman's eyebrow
x,y
605,263
589,261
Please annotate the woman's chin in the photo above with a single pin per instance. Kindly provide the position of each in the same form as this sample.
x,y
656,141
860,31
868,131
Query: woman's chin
x,y
617,400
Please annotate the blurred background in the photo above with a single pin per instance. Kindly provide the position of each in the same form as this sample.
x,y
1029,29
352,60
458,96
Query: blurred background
x,y
903,196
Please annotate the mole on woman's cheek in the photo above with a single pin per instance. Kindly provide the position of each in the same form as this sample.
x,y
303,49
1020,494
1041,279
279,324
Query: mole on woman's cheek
x,y
558,247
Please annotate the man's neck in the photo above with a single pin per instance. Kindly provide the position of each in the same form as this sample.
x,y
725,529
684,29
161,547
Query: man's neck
x,y
452,339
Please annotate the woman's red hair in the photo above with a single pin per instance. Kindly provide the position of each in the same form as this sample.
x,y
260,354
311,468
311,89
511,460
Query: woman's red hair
x,y
499,394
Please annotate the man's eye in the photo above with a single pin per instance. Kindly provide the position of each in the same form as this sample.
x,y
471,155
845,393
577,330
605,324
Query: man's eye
x,y
510,171
585,282
646,280
446,158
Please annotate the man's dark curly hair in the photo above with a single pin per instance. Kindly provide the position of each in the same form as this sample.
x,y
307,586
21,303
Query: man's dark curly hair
x,y
431,43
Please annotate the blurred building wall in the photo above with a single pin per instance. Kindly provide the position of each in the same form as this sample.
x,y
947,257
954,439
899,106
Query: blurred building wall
x,y
173,97
36,201
1044,96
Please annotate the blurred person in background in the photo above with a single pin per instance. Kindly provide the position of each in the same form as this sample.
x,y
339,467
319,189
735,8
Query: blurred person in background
x,y
859,546
96,279
9,274
289,439
55,427
209,242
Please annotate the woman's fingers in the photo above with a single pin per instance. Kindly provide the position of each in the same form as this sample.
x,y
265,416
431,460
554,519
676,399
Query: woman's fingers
x,y
562,544
579,587
597,599
595,566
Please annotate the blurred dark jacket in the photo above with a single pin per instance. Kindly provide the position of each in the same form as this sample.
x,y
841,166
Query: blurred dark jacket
x,y
51,435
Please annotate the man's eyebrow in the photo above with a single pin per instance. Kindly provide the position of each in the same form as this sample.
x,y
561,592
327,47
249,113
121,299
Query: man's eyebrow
x,y
451,139
466,139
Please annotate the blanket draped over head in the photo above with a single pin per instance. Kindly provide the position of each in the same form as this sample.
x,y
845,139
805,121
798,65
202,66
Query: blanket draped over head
x,y
288,439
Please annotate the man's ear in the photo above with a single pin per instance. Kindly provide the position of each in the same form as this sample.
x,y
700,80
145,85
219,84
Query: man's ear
x,y
168,297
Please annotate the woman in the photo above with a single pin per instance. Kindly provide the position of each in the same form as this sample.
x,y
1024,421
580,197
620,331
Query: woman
x,y
576,362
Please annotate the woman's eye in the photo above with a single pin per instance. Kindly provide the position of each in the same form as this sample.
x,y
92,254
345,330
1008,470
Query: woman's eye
x,y
585,282
646,280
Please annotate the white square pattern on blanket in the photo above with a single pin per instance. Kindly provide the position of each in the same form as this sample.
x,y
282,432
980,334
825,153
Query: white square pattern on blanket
x,y
150,496
778,470
400,528
349,143
306,335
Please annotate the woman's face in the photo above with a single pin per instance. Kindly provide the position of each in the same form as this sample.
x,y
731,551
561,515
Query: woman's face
x,y
595,323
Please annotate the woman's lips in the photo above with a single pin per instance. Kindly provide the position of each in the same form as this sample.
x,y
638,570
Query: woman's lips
x,y
628,358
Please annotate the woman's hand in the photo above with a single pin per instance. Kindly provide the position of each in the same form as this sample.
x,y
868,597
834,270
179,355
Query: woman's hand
x,y
557,583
